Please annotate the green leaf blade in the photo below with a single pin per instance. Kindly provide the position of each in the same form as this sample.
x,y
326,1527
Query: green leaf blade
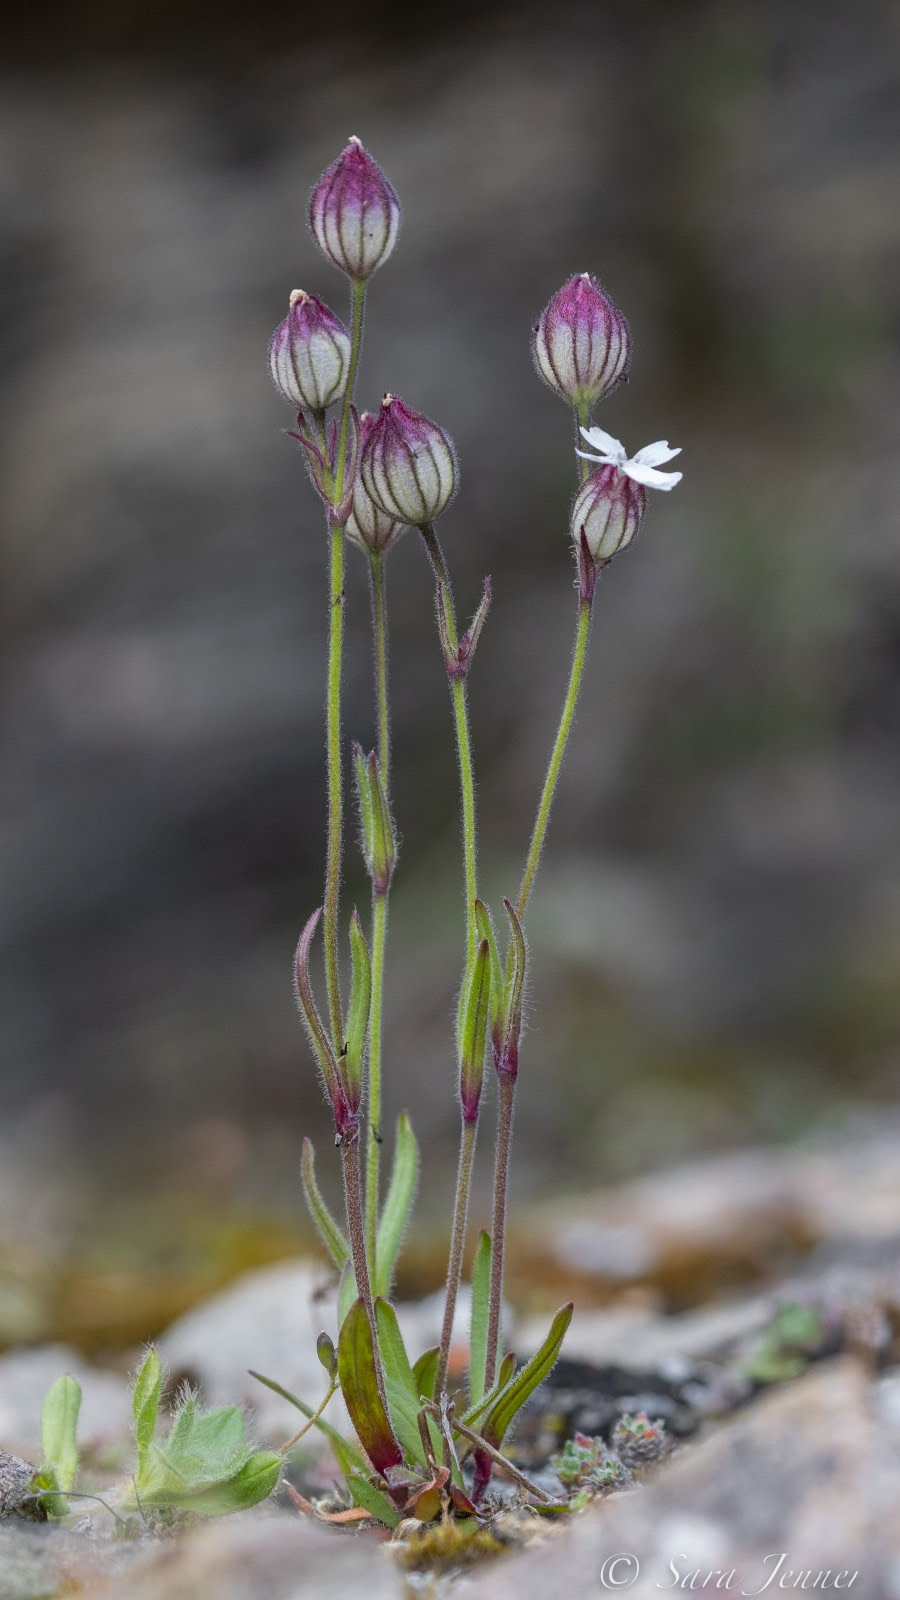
x,y
481,1294
328,1230
365,1494
400,1383
526,1381
397,1206
59,1429
359,1387
145,1402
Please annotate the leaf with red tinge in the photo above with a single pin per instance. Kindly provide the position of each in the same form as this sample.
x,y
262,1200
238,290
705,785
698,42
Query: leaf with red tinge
x,y
359,1387
352,1513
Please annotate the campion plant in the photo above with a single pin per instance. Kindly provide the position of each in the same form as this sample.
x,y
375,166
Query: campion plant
x,y
424,1449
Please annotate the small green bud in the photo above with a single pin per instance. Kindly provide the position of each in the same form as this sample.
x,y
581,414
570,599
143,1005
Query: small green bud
x,y
474,1018
327,1354
379,841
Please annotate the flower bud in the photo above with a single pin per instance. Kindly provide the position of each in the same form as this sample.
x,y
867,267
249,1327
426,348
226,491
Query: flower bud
x,y
474,1012
354,213
379,839
581,344
367,525
309,354
408,465
607,513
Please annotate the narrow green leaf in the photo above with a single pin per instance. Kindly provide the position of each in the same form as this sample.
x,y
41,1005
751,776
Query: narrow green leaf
x,y
425,1372
384,837
485,927
500,1385
399,1382
526,1381
351,1065
59,1428
481,1296
363,1493
359,1387
347,1456
397,1206
329,1232
347,1291
474,1031
315,1028
145,1402
364,796
513,1009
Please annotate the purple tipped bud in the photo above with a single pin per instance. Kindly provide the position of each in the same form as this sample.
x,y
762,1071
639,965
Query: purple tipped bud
x,y
606,516
582,344
354,213
309,354
408,465
367,525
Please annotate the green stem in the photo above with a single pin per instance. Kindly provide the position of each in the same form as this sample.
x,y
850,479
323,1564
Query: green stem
x,y
506,1099
335,786
548,792
373,1154
463,741
357,1235
379,631
457,1242
379,911
358,296
333,714
507,1082
539,832
311,1421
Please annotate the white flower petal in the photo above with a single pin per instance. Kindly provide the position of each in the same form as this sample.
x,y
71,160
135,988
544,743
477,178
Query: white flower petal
x,y
649,475
608,461
653,455
605,442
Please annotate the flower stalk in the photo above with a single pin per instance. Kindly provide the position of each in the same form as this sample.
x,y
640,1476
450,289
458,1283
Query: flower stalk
x,y
335,825
380,897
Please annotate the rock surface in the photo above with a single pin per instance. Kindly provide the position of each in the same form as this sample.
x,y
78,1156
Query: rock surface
x,y
810,1472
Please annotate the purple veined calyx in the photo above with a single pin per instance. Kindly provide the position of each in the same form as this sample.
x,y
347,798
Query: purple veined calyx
x,y
354,213
309,354
582,343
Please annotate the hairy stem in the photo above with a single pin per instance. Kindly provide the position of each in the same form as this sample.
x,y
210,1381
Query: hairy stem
x,y
335,786
373,1151
506,1100
357,1235
463,741
379,908
379,636
548,793
333,714
457,1243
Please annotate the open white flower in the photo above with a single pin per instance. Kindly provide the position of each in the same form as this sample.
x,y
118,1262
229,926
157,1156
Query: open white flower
x,y
641,467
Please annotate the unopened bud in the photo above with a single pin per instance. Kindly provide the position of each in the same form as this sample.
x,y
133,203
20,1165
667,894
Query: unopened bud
x,y
367,525
607,513
408,465
581,344
354,213
474,1012
378,838
326,1353
309,354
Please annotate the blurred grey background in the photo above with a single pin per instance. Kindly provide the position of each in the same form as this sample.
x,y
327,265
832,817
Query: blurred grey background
x,y
716,930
